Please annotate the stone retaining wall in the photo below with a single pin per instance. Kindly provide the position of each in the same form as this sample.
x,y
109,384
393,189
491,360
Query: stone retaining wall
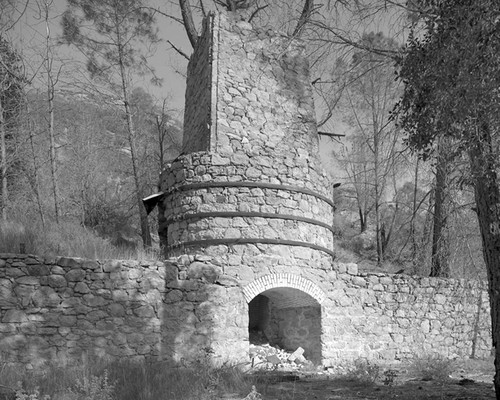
x,y
197,306
58,309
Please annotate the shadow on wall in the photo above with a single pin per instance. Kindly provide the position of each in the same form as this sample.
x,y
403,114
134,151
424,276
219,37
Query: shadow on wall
x,y
293,105
64,310
205,316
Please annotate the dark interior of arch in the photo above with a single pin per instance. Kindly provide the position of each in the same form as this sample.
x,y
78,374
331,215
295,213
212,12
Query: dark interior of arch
x,y
287,318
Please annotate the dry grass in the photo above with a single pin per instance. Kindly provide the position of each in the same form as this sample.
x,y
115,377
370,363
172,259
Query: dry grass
x,y
431,367
161,381
63,239
126,380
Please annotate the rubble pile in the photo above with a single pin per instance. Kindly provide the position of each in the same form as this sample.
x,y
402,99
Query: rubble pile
x,y
265,356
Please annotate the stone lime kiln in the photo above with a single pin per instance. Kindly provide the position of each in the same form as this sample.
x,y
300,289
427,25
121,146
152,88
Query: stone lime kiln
x,y
248,212
248,189
246,219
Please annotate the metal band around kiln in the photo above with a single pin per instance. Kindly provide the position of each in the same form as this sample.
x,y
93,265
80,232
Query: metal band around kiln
x,y
227,241
249,214
261,185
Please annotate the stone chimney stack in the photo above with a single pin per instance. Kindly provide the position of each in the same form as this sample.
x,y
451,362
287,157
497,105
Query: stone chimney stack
x,y
249,178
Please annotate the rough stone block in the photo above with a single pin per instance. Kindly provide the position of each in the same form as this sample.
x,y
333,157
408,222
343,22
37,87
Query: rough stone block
x,y
145,311
352,269
112,266
67,320
38,270
75,275
173,296
57,270
57,281
93,301
81,287
12,316
28,280
46,297
200,270
359,281
69,262
13,272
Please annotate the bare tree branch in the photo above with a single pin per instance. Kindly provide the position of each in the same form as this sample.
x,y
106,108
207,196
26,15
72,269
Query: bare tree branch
x,y
304,17
203,11
187,18
18,18
257,11
178,50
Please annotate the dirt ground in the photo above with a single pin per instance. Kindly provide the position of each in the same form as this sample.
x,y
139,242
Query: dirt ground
x,y
472,379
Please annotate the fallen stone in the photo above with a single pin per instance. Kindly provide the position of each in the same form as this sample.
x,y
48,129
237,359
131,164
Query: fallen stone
x,y
300,359
296,353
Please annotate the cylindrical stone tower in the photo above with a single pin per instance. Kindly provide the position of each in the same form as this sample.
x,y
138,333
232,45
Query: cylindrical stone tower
x,y
248,187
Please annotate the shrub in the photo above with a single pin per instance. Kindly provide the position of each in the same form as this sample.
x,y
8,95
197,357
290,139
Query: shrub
x,y
431,367
31,395
127,380
94,388
364,371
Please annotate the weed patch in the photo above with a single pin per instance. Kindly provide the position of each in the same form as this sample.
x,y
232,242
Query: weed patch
x,y
431,367
364,371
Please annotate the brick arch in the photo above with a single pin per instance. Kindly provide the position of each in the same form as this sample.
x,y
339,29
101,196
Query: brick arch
x,y
283,280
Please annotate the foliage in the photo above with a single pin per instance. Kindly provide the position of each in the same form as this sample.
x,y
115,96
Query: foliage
x,y
390,376
110,34
32,395
450,74
452,87
11,99
12,83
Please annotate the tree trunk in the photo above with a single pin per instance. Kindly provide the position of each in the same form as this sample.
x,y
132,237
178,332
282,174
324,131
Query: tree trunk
x,y
143,217
34,179
487,197
53,153
50,111
161,138
362,220
377,186
187,19
440,237
3,165
304,17
413,233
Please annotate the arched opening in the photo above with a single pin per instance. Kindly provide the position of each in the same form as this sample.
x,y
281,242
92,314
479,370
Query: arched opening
x,y
288,318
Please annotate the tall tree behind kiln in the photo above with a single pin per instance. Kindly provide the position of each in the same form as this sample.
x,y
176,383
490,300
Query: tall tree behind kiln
x,y
451,91
374,161
112,44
